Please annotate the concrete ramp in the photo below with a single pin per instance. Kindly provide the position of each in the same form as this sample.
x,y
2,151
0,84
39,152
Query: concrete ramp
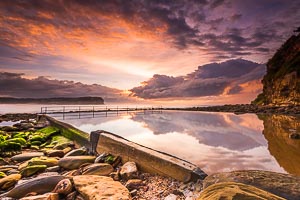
x,y
147,159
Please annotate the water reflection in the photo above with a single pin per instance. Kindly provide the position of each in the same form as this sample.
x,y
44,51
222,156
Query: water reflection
x,y
214,141
281,146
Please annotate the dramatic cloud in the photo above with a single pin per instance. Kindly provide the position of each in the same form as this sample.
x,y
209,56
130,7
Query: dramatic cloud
x,y
129,41
14,85
227,78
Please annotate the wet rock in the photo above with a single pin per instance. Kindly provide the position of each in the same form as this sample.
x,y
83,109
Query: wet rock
x,y
129,170
7,168
53,169
9,128
26,156
47,196
74,162
67,150
24,125
134,184
55,153
71,173
30,170
276,183
9,181
77,152
101,169
63,187
39,185
47,174
94,187
237,191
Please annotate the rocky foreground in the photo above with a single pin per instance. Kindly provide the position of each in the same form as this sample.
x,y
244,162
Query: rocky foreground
x,y
39,163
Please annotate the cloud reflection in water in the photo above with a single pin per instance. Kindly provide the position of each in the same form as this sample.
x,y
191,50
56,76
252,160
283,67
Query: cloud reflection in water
x,y
214,141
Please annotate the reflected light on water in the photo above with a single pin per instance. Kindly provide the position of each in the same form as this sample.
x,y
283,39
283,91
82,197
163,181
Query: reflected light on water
x,y
215,142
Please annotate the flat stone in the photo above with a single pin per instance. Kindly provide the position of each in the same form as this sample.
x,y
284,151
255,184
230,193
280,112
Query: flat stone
x,y
9,181
47,196
101,169
129,170
74,162
26,156
39,185
236,191
55,153
283,185
95,187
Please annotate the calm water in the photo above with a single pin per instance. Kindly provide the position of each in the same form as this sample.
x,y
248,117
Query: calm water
x,y
216,142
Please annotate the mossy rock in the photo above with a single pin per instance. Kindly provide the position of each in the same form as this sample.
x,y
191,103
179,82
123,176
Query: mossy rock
x,y
31,170
48,131
9,181
49,162
3,138
39,138
60,142
24,135
235,191
10,146
2,175
36,143
20,141
34,147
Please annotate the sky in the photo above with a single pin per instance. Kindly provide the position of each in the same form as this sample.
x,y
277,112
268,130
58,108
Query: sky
x,y
211,51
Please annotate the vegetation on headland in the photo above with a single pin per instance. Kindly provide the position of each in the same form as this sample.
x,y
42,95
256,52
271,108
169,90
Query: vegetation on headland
x,y
55,100
281,84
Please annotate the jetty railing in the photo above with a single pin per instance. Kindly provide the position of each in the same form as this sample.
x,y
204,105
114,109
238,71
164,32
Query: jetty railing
x,y
93,111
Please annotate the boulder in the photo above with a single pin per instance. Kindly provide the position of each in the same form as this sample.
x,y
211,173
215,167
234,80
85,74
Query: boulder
x,y
94,187
9,181
236,191
283,185
101,169
26,156
39,185
74,162
47,196
129,170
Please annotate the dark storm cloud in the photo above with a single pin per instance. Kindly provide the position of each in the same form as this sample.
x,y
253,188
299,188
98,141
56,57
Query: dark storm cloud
x,y
187,23
14,85
208,80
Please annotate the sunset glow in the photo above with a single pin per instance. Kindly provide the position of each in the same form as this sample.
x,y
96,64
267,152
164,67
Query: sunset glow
x,y
120,44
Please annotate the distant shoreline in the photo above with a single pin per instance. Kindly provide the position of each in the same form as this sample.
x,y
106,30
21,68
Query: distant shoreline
x,y
56,100
246,108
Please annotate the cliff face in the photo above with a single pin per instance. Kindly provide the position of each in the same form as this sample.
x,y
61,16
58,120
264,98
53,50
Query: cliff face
x,y
281,84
